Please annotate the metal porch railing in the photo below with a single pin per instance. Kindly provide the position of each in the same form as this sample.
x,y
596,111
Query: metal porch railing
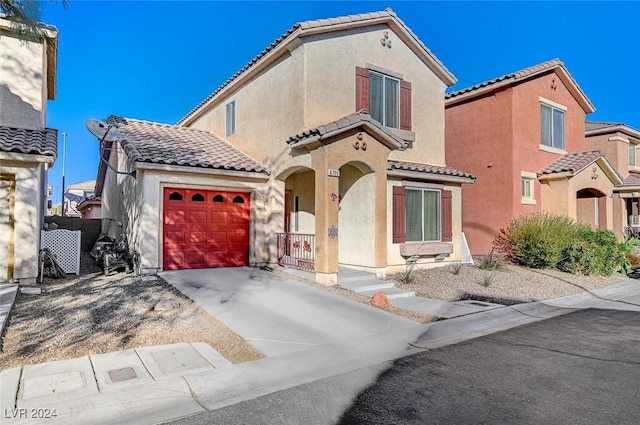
x,y
297,250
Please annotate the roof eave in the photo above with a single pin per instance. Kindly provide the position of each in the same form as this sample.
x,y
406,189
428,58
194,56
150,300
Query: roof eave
x,y
423,175
260,175
614,129
27,157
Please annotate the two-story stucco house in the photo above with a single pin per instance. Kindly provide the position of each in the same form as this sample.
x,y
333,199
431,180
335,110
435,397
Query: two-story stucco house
x,y
27,147
620,143
326,149
522,135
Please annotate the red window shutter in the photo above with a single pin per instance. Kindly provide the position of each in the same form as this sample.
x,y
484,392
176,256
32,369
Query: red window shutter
x,y
362,88
405,105
399,227
446,216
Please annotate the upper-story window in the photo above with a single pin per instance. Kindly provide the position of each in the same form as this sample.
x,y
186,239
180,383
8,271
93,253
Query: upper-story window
x,y
231,118
386,97
552,126
632,155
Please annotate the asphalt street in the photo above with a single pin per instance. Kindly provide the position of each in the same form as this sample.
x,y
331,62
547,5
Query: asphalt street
x,y
580,368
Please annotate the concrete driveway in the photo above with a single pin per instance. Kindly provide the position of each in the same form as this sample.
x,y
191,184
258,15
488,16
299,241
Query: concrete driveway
x,y
279,315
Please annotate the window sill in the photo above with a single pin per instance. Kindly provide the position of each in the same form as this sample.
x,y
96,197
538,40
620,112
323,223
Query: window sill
x,y
550,149
634,168
527,201
410,249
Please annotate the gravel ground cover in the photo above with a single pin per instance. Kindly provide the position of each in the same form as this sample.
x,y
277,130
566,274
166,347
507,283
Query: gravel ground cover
x,y
92,314
509,285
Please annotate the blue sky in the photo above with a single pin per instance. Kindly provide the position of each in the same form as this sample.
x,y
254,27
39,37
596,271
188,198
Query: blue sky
x,y
157,60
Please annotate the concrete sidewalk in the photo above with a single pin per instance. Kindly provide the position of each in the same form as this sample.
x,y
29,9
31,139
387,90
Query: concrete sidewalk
x,y
184,379
8,293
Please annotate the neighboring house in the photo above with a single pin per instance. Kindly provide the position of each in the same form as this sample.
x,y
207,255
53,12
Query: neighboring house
x,y
27,148
90,207
522,135
620,144
75,194
326,149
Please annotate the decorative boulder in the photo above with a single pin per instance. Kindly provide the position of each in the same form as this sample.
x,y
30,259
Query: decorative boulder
x,y
380,300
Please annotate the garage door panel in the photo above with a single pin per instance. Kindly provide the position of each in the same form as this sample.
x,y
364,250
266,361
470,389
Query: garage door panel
x,y
208,233
174,217
218,217
237,258
219,258
196,238
174,260
238,237
197,217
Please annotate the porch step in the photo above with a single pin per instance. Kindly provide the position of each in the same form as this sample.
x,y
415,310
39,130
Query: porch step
x,y
366,285
349,275
391,293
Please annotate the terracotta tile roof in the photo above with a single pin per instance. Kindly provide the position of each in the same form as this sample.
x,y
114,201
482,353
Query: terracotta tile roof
x,y
316,26
601,127
518,76
571,162
631,180
22,140
157,143
357,119
428,168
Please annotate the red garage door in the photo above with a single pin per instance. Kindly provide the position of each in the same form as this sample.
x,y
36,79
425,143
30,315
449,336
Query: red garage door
x,y
205,228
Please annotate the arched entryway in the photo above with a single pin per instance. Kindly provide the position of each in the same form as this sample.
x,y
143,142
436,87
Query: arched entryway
x,y
356,217
591,208
296,244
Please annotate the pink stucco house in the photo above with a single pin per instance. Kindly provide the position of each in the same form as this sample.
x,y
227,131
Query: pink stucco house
x,y
523,135
619,142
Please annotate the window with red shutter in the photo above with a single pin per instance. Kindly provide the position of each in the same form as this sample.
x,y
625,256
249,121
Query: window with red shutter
x,y
399,227
387,99
446,214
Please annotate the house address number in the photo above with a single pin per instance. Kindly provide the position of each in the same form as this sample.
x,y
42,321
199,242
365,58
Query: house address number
x,y
334,173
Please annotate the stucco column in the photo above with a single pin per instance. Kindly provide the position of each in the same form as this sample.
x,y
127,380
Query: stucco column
x,y
326,215
381,220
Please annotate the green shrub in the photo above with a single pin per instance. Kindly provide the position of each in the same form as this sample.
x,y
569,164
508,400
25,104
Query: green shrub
x,y
536,240
553,241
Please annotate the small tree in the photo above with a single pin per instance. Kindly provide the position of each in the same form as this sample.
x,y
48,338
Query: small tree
x,y
25,16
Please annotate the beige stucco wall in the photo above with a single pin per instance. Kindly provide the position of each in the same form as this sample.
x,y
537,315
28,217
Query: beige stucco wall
x,y
330,63
357,223
269,109
22,82
27,218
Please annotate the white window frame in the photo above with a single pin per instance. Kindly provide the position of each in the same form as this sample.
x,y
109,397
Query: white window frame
x,y
439,229
230,118
384,97
632,155
553,107
528,180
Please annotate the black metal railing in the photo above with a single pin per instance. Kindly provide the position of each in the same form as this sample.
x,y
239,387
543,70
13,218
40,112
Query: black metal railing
x,y
297,250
